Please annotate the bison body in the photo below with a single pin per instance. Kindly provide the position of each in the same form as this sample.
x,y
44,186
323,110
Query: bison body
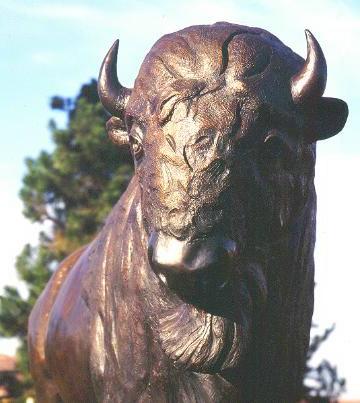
x,y
199,287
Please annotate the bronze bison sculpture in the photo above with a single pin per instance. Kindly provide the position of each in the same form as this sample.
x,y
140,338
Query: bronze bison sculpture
x,y
199,287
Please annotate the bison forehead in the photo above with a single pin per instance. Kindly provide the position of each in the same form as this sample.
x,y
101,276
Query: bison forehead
x,y
205,53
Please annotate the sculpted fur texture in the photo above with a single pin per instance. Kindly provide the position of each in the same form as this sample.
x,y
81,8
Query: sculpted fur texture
x,y
199,287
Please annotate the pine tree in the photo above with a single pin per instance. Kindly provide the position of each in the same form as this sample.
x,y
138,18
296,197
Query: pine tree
x,y
70,190
322,384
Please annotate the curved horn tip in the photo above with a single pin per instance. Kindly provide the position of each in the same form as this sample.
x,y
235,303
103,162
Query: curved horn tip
x,y
312,41
309,38
309,83
111,56
115,46
308,33
112,94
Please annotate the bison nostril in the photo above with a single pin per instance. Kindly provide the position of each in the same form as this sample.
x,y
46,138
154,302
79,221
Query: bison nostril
x,y
197,267
171,253
211,280
166,252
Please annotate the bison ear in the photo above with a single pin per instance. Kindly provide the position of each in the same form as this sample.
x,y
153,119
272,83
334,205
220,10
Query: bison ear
x,y
329,118
117,132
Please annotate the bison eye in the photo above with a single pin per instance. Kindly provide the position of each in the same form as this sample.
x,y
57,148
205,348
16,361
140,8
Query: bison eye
x,y
275,149
135,138
136,147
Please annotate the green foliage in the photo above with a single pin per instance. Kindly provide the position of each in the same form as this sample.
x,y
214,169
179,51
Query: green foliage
x,y
70,190
74,186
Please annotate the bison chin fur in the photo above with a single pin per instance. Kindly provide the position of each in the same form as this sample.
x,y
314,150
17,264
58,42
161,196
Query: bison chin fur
x,y
196,339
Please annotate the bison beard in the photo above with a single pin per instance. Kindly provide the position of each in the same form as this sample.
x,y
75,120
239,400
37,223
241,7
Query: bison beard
x,y
198,340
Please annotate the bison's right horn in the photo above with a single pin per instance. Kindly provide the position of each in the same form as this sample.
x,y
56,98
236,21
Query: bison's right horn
x,y
309,83
113,95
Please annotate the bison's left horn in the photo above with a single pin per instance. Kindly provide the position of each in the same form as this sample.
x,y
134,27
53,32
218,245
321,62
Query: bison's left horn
x,y
113,95
309,83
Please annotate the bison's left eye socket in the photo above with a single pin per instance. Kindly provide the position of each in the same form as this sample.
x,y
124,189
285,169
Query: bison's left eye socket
x,y
276,150
274,147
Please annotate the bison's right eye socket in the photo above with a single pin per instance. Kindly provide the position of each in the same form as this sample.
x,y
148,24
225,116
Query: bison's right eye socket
x,y
135,137
136,147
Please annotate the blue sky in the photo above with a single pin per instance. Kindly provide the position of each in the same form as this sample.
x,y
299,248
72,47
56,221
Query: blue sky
x,y
52,47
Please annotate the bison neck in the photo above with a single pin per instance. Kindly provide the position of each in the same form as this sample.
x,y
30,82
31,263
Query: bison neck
x,y
145,338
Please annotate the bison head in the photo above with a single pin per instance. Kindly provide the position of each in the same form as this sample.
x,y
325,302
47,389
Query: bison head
x,y
222,122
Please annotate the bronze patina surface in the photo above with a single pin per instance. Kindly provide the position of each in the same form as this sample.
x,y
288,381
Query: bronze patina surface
x,y
199,287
